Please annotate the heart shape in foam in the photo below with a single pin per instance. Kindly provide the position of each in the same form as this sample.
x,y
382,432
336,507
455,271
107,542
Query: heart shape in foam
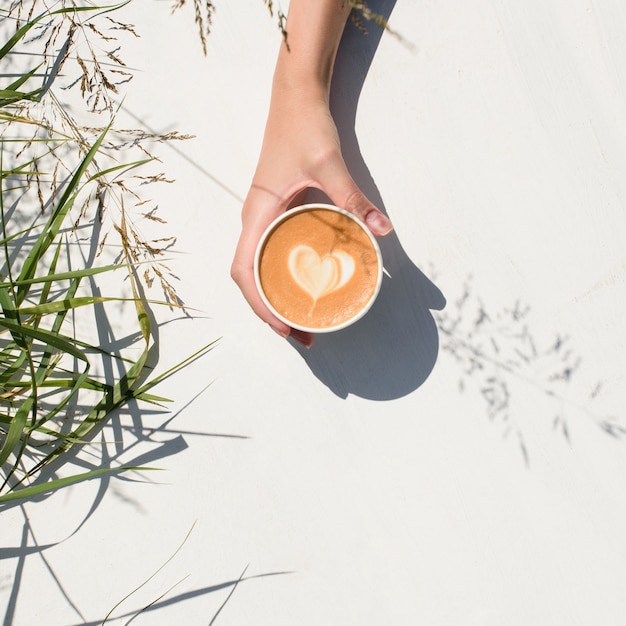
x,y
320,275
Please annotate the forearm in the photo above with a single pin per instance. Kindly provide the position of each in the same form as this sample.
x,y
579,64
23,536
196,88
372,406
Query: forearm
x,y
314,29
301,148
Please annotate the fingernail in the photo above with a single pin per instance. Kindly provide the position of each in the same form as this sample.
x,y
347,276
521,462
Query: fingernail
x,y
282,333
304,339
378,223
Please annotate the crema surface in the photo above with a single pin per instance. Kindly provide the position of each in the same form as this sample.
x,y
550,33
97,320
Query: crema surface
x,y
318,268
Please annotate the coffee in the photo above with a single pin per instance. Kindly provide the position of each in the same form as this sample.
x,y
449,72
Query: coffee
x,y
318,268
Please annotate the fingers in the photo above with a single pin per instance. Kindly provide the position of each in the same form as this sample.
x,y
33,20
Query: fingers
x,y
259,214
242,272
376,220
344,192
262,206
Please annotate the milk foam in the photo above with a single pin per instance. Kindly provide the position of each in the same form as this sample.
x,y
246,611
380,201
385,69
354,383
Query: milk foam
x,y
320,275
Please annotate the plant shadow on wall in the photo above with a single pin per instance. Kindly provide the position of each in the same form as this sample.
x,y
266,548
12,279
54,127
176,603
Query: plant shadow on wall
x,y
505,360
76,357
153,596
392,350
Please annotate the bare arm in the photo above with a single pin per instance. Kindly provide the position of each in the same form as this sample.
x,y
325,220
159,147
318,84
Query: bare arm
x,y
314,29
300,145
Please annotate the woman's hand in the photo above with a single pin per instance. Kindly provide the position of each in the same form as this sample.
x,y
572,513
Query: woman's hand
x,y
300,150
300,146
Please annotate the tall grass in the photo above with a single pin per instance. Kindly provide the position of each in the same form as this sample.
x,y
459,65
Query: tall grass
x,y
70,197
72,191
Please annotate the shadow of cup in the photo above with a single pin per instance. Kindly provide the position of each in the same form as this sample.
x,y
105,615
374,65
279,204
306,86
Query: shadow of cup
x,y
392,350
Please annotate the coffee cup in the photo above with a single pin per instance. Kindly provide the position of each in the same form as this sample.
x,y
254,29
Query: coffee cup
x,y
318,268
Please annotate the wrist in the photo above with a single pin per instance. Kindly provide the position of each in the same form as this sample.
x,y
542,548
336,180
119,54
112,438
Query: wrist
x,y
314,30
295,75
304,93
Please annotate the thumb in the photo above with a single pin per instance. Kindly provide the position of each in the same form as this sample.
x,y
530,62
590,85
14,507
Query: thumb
x,y
360,206
344,192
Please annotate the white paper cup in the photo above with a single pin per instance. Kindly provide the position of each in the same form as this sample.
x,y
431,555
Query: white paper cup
x,y
328,328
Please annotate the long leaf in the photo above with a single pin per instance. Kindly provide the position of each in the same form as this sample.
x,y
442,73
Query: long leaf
x,y
56,219
8,96
53,485
16,428
16,84
158,379
20,33
120,393
46,337
56,277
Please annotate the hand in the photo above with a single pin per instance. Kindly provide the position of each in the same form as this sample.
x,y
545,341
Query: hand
x,y
300,150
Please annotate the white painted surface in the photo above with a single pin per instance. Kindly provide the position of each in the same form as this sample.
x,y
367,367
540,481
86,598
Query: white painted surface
x,y
414,469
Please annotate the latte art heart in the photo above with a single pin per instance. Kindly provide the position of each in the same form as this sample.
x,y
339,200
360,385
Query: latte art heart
x,y
317,268
320,275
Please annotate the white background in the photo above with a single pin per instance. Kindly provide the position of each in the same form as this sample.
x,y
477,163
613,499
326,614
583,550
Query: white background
x,y
443,461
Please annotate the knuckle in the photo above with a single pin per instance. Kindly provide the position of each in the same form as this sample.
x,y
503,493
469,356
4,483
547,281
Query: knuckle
x,y
357,203
236,272
324,158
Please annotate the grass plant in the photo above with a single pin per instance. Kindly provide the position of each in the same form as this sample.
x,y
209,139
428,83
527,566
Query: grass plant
x,y
204,11
71,194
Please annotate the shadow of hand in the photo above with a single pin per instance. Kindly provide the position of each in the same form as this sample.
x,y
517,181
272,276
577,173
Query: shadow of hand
x,y
392,350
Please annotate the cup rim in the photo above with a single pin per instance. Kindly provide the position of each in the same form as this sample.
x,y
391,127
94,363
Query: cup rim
x,y
301,209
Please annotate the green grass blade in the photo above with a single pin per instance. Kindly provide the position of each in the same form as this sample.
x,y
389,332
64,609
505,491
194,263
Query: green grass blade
x,y
64,383
10,96
57,277
23,31
46,337
73,303
59,483
157,379
56,219
14,364
120,393
16,428
145,582
124,167
67,304
12,316
22,79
